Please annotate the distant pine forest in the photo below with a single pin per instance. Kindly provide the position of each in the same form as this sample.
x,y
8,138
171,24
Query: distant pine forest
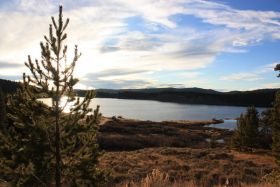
x,y
258,98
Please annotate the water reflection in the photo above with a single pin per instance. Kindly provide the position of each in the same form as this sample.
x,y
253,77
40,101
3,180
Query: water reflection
x,y
162,111
62,104
228,124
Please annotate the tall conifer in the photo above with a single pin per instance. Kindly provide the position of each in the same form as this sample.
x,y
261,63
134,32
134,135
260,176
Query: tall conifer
x,y
43,144
277,68
276,128
276,123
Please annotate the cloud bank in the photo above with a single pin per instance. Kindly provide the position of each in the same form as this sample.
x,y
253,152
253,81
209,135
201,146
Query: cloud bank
x,y
125,43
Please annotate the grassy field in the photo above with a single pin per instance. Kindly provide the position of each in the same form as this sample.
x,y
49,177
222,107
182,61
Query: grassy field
x,y
123,134
134,149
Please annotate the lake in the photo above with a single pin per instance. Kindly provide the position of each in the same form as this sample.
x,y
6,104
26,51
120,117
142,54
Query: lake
x,y
228,124
161,111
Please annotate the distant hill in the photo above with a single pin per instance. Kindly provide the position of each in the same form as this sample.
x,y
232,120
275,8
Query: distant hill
x,y
259,98
8,86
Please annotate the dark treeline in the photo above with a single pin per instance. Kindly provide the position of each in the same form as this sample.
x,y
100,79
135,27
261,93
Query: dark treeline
x,y
259,98
8,86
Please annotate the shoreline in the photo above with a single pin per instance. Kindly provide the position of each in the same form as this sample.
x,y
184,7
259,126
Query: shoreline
x,y
117,133
186,103
179,122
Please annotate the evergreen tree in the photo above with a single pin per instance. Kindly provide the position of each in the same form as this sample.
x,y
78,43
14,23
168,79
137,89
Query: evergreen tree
x,y
266,122
276,128
25,152
277,68
246,134
2,108
238,136
276,123
43,144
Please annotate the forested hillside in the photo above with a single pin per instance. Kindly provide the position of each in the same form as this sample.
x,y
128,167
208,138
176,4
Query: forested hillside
x,y
9,86
259,98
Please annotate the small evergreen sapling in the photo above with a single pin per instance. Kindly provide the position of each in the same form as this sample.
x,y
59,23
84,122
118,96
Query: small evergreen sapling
x,y
246,134
43,144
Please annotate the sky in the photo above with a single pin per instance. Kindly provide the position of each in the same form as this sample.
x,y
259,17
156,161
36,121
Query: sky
x,y
214,44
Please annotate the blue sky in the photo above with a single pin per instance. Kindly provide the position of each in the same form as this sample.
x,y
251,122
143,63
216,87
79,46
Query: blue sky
x,y
218,44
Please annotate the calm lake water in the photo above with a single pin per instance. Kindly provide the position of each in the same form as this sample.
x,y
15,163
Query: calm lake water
x,y
161,111
228,124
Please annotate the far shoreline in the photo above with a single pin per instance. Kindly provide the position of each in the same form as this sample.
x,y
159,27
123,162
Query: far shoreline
x,y
185,103
177,122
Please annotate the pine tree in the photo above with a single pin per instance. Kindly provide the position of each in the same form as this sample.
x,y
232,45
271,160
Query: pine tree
x,y
246,134
276,123
238,136
276,128
277,68
2,108
42,143
25,152
266,122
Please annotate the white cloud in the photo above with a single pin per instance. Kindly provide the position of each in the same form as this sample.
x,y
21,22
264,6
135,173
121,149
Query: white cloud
x,y
256,74
121,83
95,24
83,86
242,76
35,8
271,85
267,68
190,75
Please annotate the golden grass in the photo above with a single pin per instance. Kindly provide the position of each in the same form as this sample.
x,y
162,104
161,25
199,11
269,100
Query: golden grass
x,y
259,157
181,154
123,134
213,166
159,179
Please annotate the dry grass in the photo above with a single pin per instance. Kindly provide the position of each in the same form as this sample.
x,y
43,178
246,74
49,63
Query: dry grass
x,y
122,134
212,166
179,150
159,179
259,156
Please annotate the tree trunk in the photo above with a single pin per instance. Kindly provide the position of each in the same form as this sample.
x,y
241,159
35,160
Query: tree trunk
x,y
57,148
